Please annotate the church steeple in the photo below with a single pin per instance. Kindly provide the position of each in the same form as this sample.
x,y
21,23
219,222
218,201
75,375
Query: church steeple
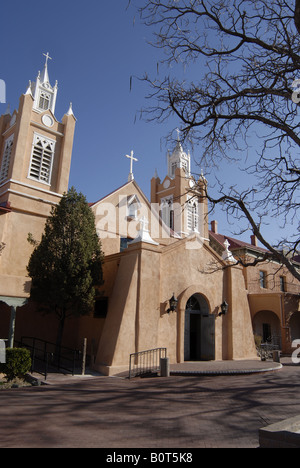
x,y
35,148
44,78
181,199
43,93
179,159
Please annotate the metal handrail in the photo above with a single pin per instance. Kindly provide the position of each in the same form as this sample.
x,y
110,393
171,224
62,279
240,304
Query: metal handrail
x,y
50,357
144,362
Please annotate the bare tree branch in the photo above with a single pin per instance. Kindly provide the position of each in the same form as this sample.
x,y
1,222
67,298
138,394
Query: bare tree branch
x,y
297,15
247,57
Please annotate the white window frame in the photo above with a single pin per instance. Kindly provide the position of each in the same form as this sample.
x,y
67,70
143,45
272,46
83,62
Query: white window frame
x,y
192,215
166,208
35,165
45,100
263,279
133,205
6,159
174,166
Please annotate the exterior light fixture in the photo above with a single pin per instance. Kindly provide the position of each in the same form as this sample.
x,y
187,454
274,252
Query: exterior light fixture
x,y
224,309
173,304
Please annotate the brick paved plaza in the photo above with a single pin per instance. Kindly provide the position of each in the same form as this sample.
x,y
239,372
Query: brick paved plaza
x,y
159,413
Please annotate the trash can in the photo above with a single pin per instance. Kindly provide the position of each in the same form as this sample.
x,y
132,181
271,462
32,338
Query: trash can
x,y
164,367
276,356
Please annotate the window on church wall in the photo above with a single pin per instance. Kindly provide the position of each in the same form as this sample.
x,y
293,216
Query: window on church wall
x,y
192,215
133,207
184,166
101,307
124,242
44,101
173,169
132,211
167,212
282,283
263,279
42,159
6,159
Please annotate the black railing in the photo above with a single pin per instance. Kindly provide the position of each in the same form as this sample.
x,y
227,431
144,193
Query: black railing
x,y
145,362
45,356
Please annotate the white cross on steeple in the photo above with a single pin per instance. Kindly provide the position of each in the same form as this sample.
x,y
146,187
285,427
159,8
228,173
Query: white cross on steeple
x,y
47,57
131,176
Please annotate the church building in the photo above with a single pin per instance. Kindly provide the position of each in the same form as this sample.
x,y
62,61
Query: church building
x,y
155,251
35,159
159,250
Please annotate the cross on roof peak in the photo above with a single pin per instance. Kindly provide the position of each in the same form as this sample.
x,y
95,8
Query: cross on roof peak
x,y
131,176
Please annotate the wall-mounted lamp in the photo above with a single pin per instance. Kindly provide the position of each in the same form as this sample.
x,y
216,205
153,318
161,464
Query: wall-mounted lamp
x,y
224,309
173,304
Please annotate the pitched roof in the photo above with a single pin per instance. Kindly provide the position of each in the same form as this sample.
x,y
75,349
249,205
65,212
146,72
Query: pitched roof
x,y
235,243
120,188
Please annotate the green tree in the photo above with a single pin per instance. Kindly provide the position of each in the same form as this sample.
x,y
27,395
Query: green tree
x,y
66,265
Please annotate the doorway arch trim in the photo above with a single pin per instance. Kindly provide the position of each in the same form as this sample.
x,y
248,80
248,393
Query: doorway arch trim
x,y
182,301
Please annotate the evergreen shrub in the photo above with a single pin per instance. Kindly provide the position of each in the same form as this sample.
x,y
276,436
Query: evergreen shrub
x,y
18,363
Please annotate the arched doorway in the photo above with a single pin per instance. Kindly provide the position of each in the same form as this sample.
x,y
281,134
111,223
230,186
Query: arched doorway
x,y
266,325
199,330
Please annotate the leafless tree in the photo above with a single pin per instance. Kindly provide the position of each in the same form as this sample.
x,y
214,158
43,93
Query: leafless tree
x,y
297,15
247,57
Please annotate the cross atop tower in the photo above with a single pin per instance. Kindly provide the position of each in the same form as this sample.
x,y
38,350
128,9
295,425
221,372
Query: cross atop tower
x,y
47,57
131,176
43,93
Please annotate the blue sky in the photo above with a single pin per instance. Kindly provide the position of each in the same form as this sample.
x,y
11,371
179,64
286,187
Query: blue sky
x,y
95,47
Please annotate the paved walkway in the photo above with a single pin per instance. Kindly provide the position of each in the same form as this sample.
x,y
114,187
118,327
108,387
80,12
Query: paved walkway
x,y
177,412
186,368
224,367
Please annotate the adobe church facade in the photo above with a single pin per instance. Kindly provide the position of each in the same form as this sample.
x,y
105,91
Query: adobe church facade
x,y
154,249
160,249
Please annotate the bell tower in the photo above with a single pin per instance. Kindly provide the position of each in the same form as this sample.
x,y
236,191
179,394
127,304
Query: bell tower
x,y
179,159
44,94
181,199
35,160
35,148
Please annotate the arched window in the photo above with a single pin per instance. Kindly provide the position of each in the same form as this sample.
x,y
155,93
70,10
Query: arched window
x,y
167,212
42,159
6,159
133,206
192,215
44,102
